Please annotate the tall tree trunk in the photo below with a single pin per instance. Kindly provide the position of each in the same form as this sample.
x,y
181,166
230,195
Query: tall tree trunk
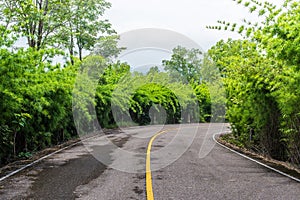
x,y
80,53
14,143
41,24
71,47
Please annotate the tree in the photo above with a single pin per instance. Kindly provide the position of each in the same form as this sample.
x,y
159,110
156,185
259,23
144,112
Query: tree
x,y
187,66
107,47
60,24
185,63
36,20
84,25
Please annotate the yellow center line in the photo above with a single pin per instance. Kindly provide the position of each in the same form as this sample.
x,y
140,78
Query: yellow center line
x,y
149,189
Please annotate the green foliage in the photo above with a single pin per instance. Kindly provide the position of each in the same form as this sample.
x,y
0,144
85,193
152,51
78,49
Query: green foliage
x,y
84,25
126,98
36,20
35,103
108,82
25,155
204,100
261,76
185,64
190,66
107,47
69,24
43,104
153,94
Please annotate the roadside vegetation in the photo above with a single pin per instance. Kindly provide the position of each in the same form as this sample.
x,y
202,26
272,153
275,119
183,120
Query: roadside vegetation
x,y
261,77
37,95
260,74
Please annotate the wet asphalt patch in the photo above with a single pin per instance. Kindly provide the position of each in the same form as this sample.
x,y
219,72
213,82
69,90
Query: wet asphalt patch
x,y
51,183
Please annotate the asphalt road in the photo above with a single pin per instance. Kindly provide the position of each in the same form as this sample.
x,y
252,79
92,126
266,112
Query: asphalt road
x,y
185,164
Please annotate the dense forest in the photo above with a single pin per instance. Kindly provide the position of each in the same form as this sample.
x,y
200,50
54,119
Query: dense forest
x,y
45,103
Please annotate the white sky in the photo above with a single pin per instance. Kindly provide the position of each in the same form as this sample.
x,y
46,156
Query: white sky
x,y
188,17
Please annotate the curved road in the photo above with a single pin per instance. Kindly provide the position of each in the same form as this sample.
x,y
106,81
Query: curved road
x,y
185,163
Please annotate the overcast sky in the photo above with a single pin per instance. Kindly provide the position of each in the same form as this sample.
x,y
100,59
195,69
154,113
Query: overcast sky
x,y
188,17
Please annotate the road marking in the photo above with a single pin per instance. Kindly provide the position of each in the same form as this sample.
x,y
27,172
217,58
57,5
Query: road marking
x,y
262,164
149,189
